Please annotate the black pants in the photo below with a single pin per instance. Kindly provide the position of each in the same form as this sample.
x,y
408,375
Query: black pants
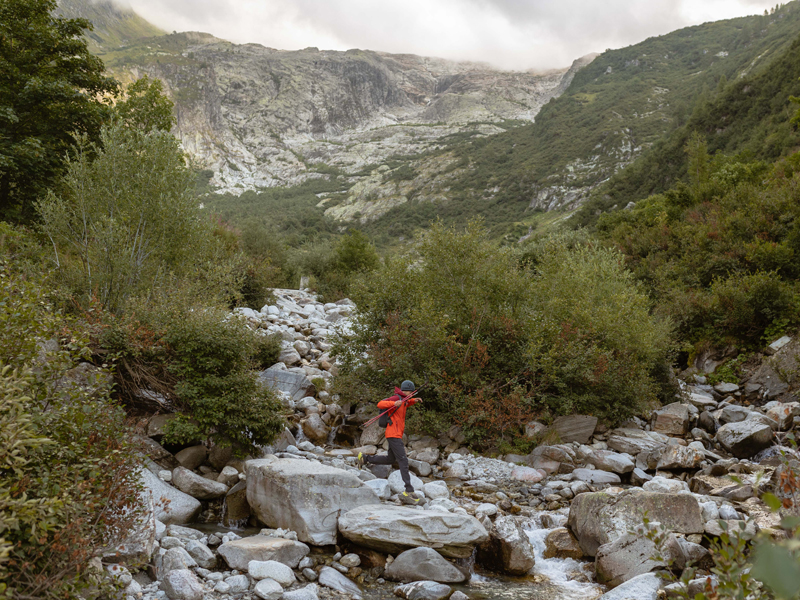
x,y
397,454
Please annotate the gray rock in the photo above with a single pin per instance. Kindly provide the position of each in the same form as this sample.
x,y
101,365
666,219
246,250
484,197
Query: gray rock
x,y
268,589
662,485
331,578
175,559
271,569
307,593
350,560
744,439
197,486
192,457
423,564
635,441
673,419
171,505
391,528
423,590
381,487
599,518
509,550
639,477
624,558
680,457
702,401
419,467
182,584
238,584
534,429
239,553
560,543
184,533
295,385
315,428
596,477
726,388
575,428
733,413
304,496
201,554
642,587
436,489
397,485
605,460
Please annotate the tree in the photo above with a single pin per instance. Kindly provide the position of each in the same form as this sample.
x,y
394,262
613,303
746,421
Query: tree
x,y
146,107
50,88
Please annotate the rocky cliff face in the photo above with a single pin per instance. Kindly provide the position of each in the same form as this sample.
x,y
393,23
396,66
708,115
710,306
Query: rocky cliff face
x,y
260,117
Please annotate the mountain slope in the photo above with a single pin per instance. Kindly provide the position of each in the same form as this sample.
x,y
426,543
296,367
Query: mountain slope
x,y
114,25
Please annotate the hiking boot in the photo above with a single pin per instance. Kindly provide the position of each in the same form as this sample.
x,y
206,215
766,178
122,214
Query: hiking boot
x,y
411,498
361,460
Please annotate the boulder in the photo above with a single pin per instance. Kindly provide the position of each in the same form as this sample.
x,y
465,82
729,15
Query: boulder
x,y
393,529
271,569
156,425
202,555
138,546
268,589
528,475
381,487
237,510
330,577
635,441
662,485
304,496
373,435
175,559
744,439
197,486
673,419
295,385
508,550
397,485
315,429
598,518
192,457
436,489
574,428
182,584
306,593
239,553
680,457
624,558
596,477
560,543
423,590
171,505
423,564
534,429
642,587
605,460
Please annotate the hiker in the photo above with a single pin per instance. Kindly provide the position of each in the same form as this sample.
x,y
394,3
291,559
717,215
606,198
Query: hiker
x,y
396,406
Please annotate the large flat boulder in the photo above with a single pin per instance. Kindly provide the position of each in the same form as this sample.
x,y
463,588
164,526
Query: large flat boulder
x,y
744,439
575,428
390,528
171,505
239,553
635,441
423,564
295,385
304,496
599,518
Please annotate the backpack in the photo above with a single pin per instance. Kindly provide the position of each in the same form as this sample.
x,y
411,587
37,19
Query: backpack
x,y
386,418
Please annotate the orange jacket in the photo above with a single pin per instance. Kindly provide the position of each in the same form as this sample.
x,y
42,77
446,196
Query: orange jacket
x,y
397,415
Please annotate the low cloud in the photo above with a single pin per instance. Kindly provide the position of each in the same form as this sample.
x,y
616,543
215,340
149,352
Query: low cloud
x,y
511,34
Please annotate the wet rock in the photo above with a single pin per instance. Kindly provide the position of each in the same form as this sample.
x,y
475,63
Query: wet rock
x,y
171,505
508,550
744,439
673,419
192,457
423,590
642,587
391,528
680,457
197,486
560,543
331,578
599,518
575,428
182,584
271,569
304,496
239,553
423,564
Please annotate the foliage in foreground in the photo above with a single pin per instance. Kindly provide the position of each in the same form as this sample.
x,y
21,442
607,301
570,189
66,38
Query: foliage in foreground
x,y
500,338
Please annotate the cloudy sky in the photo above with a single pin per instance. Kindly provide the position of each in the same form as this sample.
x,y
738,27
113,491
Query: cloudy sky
x,y
512,34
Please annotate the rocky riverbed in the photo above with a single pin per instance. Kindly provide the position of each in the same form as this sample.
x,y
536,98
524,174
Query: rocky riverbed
x,y
564,521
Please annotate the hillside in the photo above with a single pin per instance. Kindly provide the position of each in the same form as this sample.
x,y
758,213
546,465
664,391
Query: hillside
x,y
114,25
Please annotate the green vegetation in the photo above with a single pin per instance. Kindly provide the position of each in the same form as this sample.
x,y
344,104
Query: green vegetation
x,y
51,90
498,335
114,25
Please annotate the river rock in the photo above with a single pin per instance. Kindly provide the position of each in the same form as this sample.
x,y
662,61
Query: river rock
x,y
372,435
175,559
508,550
271,569
642,587
397,485
307,593
423,564
662,485
528,475
575,428
673,419
171,505
192,457
315,429
599,518
197,486
744,439
304,496
331,578
295,385
635,441
381,487
201,554
680,457
624,558
560,543
605,460
423,590
268,589
436,489
596,477
182,584
239,553
390,528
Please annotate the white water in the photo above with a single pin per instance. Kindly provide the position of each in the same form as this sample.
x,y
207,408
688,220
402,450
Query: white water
x,y
557,570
